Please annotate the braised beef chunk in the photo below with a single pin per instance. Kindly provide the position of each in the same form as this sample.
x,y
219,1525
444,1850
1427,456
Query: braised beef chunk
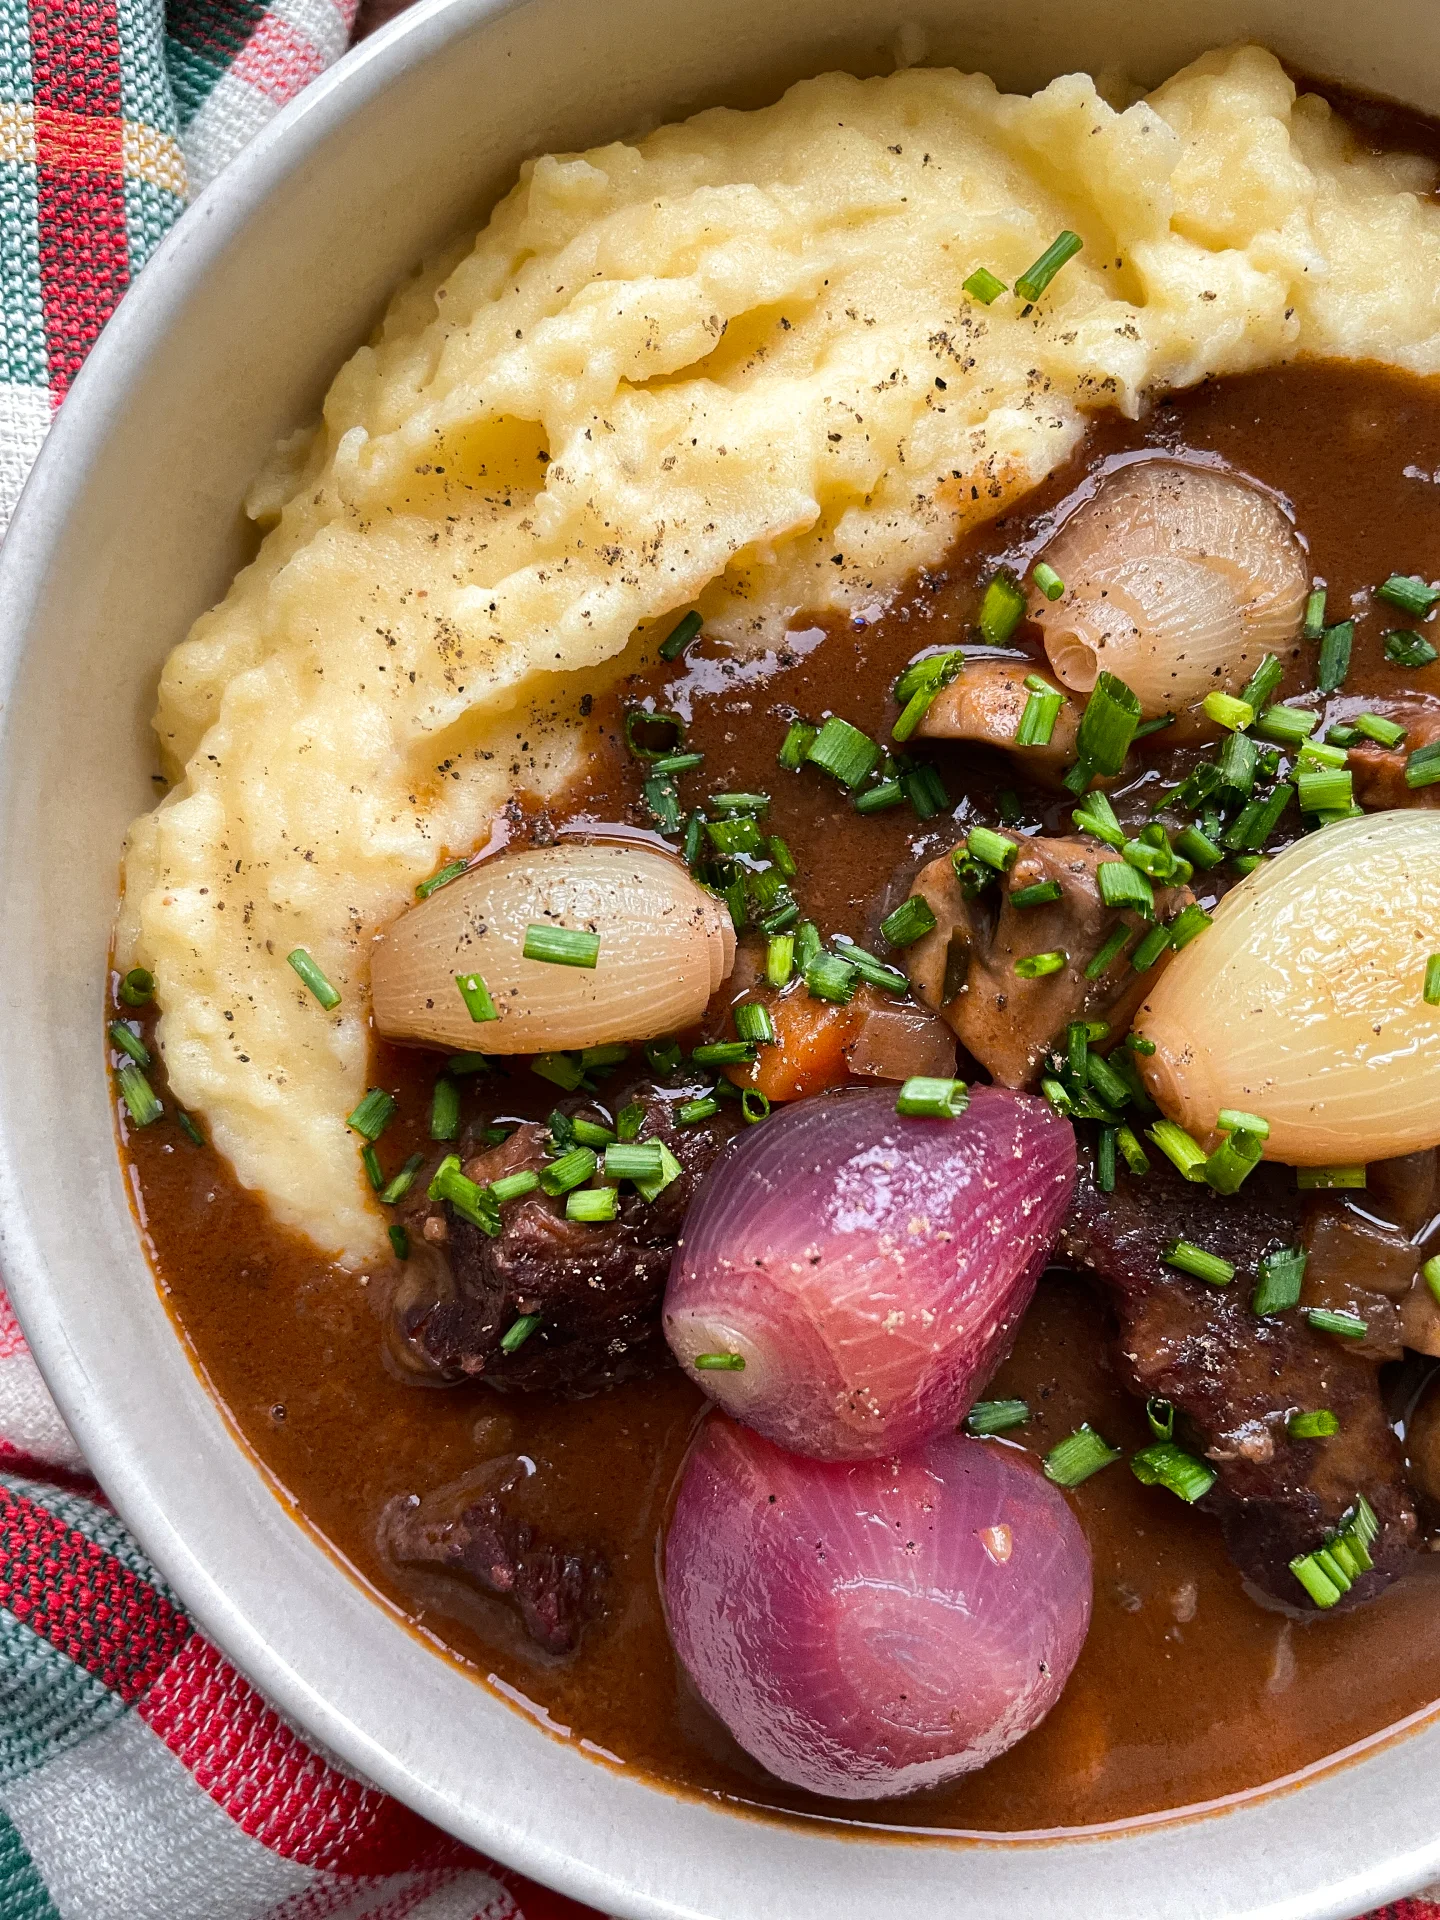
x,y
594,1287
1236,1378
1378,772
473,1534
965,967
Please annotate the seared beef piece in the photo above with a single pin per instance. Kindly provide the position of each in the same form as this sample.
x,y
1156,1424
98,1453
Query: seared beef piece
x,y
966,966
1365,1252
1379,772
1422,1448
1235,1378
470,1532
985,705
596,1287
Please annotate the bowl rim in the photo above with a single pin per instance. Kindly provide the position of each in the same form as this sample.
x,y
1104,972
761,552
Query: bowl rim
x,y
604,1878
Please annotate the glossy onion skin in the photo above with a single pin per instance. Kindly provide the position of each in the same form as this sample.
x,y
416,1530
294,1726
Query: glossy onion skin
x,y
1304,1002
870,1269
866,1629
665,946
1179,579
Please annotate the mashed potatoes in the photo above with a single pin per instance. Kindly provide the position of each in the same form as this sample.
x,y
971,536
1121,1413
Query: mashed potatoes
x,y
732,367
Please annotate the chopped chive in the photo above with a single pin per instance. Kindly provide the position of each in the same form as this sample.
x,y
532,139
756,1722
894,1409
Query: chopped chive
x,y
373,1114
740,835
753,1023
628,1123
1374,726
719,1362
1234,1119
1109,953
137,989
662,797
1137,1043
399,1240
1342,734
441,879
807,943
1156,942
1107,726
141,1101
1157,725
520,1331
1410,594
1199,849
1039,895
592,1203
915,710
1001,607
462,1063
313,978
680,636
922,1099
1226,711
780,854
1131,1151
638,1161
1325,790
1166,1465
1122,885
1239,757
983,286
188,1127
1431,992
651,1187
1288,725
924,789
572,1169
1178,1148
1350,1325
1328,1179
1335,656
935,670
1042,710
796,746
129,1042
1035,966
1234,1160
1430,1274
640,721
1047,580
994,849
444,1109
1409,649
1258,819
876,972
1077,1457
843,751
1035,279
779,959
1314,614
888,793
910,922
1186,1257
677,763
1105,1160
1280,1275
596,1059
476,995
1189,922
401,1183
996,1416
1319,1425
828,977
589,1133
1160,1418
374,1173
560,1069
693,838
473,1203
1321,1588
1422,767
723,1053
754,1106
690,1111
1106,1081
1260,689
1244,863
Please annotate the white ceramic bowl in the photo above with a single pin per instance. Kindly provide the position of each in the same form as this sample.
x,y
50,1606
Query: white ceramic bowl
x,y
130,527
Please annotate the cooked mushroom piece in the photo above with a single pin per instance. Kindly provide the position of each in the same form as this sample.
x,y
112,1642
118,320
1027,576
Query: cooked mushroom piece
x,y
655,946
985,704
1178,579
965,967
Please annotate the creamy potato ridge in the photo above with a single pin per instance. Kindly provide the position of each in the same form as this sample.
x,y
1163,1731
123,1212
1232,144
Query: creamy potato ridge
x,y
732,367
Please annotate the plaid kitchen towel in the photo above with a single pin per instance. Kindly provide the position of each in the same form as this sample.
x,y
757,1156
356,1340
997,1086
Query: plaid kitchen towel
x,y
140,1777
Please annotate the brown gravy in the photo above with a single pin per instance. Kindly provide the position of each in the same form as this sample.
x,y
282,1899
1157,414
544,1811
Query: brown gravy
x,y
1187,1689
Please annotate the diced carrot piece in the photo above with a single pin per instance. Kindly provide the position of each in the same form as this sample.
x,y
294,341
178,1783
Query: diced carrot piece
x,y
808,1053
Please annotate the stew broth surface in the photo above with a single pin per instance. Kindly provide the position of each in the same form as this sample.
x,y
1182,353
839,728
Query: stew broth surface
x,y
1187,1689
